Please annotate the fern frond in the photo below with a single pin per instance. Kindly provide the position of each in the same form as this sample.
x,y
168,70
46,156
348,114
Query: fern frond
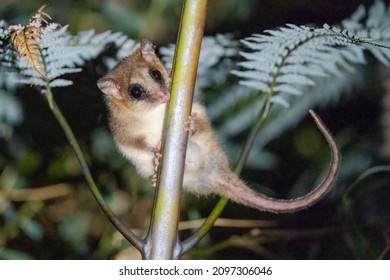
x,y
3,40
26,41
8,55
53,52
329,57
373,22
280,61
11,112
3,35
215,61
328,91
335,88
91,44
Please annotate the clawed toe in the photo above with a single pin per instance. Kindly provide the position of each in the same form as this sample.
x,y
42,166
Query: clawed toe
x,y
190,125
154,180
156,160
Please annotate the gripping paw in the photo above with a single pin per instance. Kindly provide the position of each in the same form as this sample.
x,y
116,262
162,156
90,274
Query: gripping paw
x,y
190,124
154,180
157,157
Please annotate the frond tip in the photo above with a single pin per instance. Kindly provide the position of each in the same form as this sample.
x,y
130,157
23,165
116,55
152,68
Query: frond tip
x,y
27,39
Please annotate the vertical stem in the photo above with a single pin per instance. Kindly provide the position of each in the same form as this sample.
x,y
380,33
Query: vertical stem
x,y
162,240
252,135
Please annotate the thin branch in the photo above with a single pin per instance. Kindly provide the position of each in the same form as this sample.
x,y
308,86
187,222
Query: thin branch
x,y
368,173
130,236
225,222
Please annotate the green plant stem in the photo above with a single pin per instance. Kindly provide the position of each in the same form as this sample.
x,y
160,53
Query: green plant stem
x,y
162,241
130,236
263,114
209,222
353,188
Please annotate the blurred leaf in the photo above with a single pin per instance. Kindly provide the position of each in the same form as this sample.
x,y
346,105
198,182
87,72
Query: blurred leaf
x,y
74,229
29,162
9,254
32,229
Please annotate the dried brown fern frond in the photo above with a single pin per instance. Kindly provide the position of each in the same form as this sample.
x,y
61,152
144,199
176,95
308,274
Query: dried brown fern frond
x,y
26,40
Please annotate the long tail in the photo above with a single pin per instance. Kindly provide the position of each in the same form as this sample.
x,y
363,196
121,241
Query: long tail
x,y
234,189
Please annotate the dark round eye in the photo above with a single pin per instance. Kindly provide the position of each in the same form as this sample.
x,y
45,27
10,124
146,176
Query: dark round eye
x,y
136,91
156,75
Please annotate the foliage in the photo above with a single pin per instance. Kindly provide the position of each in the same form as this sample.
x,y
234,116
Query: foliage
x,y
290,60
60,52
296,67
215,62
293,66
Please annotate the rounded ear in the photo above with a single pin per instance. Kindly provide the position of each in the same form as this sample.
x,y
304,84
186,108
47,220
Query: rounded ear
x,y
110,87
147,50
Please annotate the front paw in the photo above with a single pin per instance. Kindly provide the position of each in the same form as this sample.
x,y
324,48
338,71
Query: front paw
x,y
156,160
190,124
154,180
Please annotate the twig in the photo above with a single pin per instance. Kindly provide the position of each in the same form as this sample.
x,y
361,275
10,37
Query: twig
x,y
131,237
